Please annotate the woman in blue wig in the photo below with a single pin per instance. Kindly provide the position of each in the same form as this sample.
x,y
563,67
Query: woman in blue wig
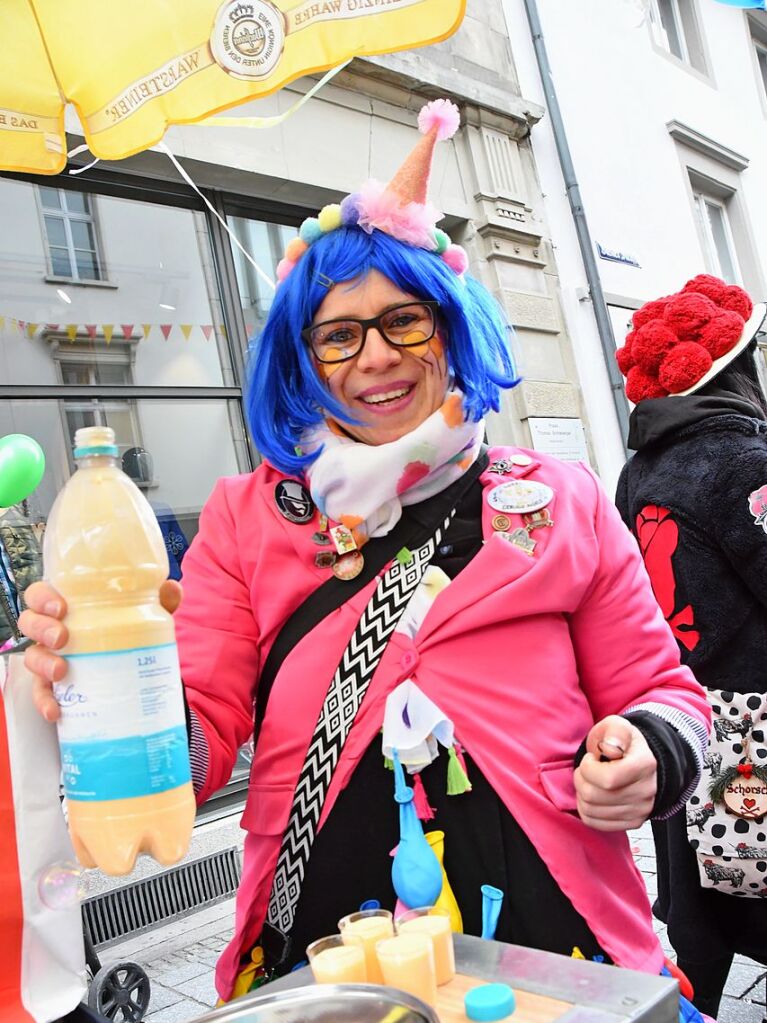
x,y
387,591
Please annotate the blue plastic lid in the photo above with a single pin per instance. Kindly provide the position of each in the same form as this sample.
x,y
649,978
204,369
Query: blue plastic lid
x,y
490,1002
370,904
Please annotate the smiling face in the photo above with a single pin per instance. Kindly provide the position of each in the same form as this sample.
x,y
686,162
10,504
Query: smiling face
x,y
389,390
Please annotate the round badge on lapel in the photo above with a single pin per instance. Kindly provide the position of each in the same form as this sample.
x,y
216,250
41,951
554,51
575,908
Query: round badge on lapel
x,y
348,566
520,497
294,502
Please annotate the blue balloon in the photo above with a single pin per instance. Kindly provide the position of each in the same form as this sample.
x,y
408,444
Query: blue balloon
x,y
754,5
22,464
416,873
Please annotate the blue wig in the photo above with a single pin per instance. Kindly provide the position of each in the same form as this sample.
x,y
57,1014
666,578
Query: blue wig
x,y
286,394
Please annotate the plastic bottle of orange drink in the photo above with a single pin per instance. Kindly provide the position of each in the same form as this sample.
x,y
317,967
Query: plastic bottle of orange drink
x,y
122,731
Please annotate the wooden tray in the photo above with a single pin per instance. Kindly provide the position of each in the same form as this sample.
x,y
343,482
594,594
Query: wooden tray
x,y
530,1008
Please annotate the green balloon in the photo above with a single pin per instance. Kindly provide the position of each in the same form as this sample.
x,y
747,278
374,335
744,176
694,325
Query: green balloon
x,y
22,464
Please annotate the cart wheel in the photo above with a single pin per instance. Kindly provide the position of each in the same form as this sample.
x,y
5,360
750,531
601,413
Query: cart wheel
x,y
120,992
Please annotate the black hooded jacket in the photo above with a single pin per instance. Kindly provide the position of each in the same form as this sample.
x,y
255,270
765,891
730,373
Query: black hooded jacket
x,y
695,496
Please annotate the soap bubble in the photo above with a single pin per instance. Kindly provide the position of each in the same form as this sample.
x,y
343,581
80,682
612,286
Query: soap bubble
x,y
61,885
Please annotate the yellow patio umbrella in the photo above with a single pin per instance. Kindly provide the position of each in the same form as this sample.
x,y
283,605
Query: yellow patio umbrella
x,y
132,67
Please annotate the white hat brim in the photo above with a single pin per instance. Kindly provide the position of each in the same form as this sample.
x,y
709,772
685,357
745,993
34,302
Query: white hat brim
x,y
754,322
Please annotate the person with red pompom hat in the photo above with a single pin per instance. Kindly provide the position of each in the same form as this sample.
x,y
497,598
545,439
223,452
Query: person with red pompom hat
x,y
695,497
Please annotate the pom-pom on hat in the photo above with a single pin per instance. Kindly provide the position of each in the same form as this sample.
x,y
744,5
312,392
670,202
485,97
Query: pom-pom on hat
x,y
680,342
400,208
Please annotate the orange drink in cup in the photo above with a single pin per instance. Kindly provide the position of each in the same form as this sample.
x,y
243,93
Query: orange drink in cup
x,y
335,962
435,923
407,963
368,927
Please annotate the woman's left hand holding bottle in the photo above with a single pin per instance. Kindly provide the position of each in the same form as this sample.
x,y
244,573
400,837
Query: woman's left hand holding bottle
x,y
42,621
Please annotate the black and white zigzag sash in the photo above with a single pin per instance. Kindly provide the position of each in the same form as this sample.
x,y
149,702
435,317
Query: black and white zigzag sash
x,y
344,698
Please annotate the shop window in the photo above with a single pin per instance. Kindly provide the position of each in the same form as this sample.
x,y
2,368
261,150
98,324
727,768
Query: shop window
x,y
675,30
155,351
70,231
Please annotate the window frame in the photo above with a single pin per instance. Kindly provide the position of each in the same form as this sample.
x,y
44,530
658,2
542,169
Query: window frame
x,y
687,22
67,216
702,200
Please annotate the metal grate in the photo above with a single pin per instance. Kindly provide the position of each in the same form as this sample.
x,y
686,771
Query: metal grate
x,y
140,906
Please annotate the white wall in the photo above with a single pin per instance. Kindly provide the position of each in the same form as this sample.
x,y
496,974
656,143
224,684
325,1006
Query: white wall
x,y
617,92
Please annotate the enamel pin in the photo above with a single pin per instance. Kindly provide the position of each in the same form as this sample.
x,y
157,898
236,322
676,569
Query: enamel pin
x,y
520,538
294,502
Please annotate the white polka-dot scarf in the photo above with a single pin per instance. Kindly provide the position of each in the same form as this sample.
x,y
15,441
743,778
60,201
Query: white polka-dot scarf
x,y
364,486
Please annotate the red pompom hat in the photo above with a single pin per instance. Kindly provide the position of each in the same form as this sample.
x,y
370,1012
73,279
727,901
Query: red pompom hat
x,y
680,342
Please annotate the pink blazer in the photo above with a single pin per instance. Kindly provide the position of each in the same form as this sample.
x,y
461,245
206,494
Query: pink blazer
x,y
524,653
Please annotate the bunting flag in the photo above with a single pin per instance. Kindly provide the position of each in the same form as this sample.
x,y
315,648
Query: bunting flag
x,y
107,331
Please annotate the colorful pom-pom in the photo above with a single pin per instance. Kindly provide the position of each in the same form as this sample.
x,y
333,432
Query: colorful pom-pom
x,y
295,249
684,366
283,268
310,230
688,313
721,333
737,300
708,285
441,240
640,386
456,259
624,359
650,345
649,311
329,217
442,115
350,211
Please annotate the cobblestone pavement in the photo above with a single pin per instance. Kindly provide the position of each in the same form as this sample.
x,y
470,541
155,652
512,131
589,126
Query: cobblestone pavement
x,y
180,958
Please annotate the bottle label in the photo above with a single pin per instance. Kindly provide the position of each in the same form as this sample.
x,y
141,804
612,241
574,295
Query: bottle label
x,y
122,730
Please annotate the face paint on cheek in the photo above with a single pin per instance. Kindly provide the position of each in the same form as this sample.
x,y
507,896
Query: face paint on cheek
x,y
411,340
327,369
437,346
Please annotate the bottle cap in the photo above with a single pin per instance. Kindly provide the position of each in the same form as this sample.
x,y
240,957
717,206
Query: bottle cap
x,y
95,440
490,1002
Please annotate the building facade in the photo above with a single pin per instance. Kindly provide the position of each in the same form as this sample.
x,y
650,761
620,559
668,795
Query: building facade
x,y
664,105
125,302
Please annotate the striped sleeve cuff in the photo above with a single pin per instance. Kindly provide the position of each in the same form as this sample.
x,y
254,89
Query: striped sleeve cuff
x,y
198,752
691,731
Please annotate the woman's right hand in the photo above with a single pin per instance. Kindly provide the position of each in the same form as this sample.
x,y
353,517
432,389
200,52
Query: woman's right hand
x,y
42,621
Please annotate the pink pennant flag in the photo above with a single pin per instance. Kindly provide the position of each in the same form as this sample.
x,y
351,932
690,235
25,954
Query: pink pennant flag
x,y
127,329
52,326
166,328
91,328
207,329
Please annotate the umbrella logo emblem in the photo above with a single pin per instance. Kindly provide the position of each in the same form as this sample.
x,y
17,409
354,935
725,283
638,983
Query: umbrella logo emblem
x,y
247,38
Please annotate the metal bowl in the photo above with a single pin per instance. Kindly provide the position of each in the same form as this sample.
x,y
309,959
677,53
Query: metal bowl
x,y
326,1003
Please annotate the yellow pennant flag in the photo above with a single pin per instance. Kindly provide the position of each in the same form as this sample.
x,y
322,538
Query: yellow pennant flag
x,y
31,329
2,322
72,331
186,330
165,63
109,329
146,327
